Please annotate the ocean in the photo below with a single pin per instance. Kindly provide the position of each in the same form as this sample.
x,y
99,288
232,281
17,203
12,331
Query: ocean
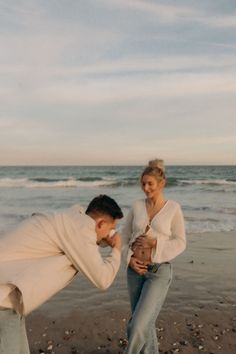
x,y
206,193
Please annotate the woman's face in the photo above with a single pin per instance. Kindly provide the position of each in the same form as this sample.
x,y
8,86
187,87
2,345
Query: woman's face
x,y
151,186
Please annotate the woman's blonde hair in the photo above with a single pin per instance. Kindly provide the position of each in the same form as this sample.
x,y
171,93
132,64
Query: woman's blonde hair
x,y
155,168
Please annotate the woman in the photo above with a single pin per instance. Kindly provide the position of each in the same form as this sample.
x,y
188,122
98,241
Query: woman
x,y
153,235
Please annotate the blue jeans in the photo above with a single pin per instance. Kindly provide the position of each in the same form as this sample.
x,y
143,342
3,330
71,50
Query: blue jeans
x,y
147,294
13,338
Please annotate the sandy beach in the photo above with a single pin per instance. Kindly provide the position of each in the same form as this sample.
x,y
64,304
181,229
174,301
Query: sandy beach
x,y
199,315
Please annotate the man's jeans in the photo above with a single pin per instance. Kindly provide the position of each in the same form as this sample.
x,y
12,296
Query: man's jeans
x,y
147,294
13,338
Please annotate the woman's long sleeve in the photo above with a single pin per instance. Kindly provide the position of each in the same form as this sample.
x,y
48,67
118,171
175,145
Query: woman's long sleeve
x,y
126,233
168,247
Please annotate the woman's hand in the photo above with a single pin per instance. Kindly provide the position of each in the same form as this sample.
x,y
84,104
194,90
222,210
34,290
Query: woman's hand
x,y
138,266
143,242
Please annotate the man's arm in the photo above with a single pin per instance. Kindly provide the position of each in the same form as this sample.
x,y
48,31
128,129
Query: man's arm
x,y
80,246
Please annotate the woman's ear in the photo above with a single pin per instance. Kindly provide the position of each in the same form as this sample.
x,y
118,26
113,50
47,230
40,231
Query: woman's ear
x,y
162,183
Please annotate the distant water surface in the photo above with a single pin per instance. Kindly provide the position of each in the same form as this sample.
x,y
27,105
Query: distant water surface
x,y
207,193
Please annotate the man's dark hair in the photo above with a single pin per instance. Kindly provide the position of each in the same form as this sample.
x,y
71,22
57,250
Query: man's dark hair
x,y
105,205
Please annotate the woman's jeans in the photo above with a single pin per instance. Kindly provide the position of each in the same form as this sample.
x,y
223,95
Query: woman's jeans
x,y
13,338
147,294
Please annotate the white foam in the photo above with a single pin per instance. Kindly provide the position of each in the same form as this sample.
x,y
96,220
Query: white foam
x,y
210,226
70,183
10,182
208,181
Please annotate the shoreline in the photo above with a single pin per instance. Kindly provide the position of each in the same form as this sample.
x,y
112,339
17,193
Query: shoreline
x,y
199,314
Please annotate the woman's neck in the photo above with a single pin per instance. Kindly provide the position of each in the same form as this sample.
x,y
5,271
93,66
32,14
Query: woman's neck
x,y
157,200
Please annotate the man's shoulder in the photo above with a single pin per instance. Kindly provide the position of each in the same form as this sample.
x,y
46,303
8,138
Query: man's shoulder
x,y
77,214
77,208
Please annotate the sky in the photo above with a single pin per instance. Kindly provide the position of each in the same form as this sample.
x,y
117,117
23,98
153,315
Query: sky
x,y
117,82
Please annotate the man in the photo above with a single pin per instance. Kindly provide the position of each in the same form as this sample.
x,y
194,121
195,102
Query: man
x,y
43,254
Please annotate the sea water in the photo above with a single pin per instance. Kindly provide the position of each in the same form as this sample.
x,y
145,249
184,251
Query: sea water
x,y
207,194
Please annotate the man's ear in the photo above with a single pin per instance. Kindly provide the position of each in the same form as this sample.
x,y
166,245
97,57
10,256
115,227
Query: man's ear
x,y
99,223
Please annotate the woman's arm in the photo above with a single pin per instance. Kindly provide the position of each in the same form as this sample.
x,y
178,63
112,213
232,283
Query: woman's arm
x,y
168,248
126,232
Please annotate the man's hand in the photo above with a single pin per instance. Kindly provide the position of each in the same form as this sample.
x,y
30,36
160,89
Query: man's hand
x,y
114,241
144,242
138,266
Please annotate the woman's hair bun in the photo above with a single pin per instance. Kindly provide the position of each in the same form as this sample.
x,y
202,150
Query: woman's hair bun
x,y
157,163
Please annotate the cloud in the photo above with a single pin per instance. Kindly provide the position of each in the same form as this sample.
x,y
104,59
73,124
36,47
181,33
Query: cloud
x,y
219,21
130,78
128,88
139,64
89,68
166,12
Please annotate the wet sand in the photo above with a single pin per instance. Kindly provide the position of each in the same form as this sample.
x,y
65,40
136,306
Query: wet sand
x,y
199,315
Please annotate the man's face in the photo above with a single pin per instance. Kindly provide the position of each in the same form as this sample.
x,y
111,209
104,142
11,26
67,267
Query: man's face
x,y
104,225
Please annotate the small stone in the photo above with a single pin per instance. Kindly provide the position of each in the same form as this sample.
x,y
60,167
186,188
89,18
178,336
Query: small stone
x,y
124,320
200,325
123,342
183,342
67,332
50,347
44,334
216,337
200,347
161,329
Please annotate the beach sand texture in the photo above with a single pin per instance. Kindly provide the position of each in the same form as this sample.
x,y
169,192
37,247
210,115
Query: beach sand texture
x,y
199,315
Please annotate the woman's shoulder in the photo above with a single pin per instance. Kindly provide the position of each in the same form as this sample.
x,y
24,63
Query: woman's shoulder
x,y
138,203
173,204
